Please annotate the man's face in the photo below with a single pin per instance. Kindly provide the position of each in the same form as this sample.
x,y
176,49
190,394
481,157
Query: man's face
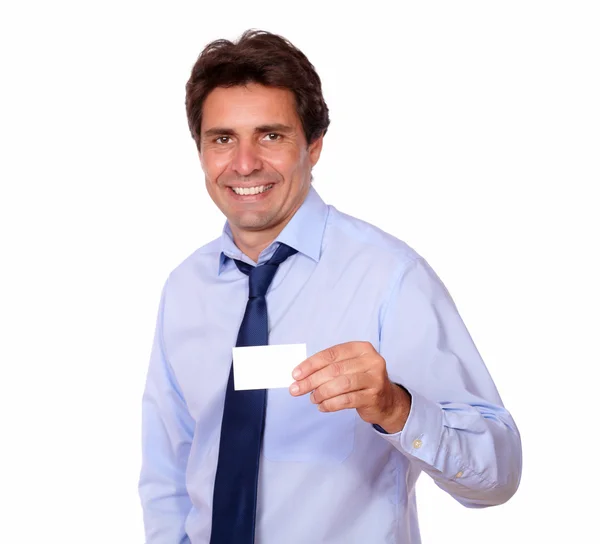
x,y
252,142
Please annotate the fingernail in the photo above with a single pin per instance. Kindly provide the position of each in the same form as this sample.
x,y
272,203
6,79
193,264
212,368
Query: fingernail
x,y
294,388
296,374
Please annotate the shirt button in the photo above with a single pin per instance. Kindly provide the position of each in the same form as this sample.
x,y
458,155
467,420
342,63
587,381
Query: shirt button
x,y
459,474
417,444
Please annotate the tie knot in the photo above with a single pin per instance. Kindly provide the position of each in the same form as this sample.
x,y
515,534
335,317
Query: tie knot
x,y
260,277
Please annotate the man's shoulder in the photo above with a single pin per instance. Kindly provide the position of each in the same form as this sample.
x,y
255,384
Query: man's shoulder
x,y
361,236
201,262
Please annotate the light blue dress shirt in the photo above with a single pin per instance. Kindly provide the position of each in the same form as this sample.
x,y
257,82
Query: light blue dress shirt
x,y
326,478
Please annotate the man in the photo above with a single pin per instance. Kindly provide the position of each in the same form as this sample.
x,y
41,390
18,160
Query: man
x,y
393,384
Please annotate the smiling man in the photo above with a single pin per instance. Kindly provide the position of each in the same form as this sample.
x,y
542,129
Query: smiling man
x,y
256,160
393,385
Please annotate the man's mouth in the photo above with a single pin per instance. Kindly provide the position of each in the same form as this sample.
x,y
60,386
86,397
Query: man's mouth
x,y
245,191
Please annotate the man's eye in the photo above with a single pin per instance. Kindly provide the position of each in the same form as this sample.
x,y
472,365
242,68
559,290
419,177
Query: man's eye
x,y
273,136
221,139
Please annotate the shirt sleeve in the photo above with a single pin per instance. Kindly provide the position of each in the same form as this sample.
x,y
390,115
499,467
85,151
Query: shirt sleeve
x,y
167,432
458,430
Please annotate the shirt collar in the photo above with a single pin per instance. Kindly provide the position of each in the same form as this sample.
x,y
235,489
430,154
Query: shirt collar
x,y
304,232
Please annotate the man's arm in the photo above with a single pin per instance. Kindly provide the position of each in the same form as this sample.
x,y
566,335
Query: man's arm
x,y
167,432
457,429
447,416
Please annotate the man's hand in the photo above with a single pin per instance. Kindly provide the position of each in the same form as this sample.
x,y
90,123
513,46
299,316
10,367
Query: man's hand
x,y
353,375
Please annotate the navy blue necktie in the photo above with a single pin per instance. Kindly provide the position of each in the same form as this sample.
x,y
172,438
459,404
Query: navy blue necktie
x,y
234,498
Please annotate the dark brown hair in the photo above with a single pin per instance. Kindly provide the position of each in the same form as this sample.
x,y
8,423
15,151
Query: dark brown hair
x,y
263,58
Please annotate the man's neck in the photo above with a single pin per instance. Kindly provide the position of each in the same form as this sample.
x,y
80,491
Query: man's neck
x,y
252,243
252,246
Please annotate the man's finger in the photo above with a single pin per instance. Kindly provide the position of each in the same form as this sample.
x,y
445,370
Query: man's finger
x,y
355,399
325,374
341,385
334,354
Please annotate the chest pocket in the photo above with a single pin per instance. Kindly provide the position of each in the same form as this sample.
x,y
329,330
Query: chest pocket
x,y
295,430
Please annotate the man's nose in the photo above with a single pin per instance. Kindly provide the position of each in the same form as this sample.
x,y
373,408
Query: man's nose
x,y
246,159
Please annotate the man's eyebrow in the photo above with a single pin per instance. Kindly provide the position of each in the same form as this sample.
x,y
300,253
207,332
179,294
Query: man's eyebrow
x,y
273,127
218,131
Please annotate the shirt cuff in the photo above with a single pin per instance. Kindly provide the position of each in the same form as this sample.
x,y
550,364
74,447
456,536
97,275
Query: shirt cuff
x,y
422,433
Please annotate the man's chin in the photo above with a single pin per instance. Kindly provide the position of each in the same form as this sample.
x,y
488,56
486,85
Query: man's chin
x,y
254,223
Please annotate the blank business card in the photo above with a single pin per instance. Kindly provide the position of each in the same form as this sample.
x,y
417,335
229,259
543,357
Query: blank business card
x,y
266,367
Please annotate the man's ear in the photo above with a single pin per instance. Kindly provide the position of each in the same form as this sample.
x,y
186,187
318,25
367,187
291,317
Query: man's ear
x,y
314,150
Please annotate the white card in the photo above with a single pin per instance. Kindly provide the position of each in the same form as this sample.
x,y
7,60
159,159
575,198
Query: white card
x,y
266,367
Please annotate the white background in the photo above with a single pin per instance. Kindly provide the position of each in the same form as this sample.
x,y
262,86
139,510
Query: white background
x,y
468,129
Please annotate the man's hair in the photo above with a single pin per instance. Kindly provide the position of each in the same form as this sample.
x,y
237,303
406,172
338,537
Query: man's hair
x,y
263,58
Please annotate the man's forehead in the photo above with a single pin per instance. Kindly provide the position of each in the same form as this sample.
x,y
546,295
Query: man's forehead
x,y
249,108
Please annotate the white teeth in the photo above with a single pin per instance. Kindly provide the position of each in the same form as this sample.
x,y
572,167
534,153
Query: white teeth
x,y
251,190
